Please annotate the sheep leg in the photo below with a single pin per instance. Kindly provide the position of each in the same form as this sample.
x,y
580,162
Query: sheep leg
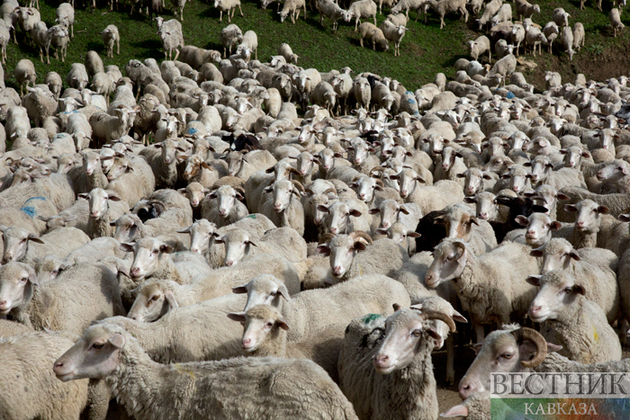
x,y
361,42
41,54
441,22
242,15
356,24
450,360
220,15
304,10
117,48
479,332
374,20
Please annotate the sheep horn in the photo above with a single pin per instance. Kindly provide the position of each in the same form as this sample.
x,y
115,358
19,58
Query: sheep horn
x,y
330,190
441,316
298,185
376,169
525,333
360,234
240,190
380,182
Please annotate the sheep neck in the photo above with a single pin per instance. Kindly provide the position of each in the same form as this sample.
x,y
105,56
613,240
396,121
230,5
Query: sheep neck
x,y
574,332
138,382
410,390
275,344
166,270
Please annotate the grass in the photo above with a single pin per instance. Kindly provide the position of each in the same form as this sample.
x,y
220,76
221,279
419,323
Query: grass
x,y
425,50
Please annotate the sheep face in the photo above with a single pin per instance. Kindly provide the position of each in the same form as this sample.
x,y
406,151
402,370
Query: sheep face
x,y
503,351
587,219
98,202
305,163
152,303
227,197
559,292
365,187
201,232
408,179
95,355
16,241
338,216
518,178
147,255
16,286
282,194
341,250
263,290
449,261
127,227
390,212
237,245
260,323
194,192
407,334
557,254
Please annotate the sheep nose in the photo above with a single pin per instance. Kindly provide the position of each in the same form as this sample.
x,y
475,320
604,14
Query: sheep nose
x,y
134,317
362,196
229,263
4,305
194,203
465,390
58,364
483,216
534,309
246,342
135,272
515,188
94,214
385,225
381,360
404,193
470,190
7,258
194,250
337,270
334,230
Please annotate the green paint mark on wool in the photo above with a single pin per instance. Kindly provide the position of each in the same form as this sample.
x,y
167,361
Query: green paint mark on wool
x,y
370,317
252,216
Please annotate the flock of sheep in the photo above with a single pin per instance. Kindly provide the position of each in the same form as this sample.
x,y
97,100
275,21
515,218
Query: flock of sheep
x,y
335,248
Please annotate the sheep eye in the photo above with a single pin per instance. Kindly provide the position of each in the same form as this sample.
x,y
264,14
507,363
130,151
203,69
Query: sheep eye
x,y
416,333
55,272
24,279
269,324
155,297
568,290
155,251
23,240
507,355
97,346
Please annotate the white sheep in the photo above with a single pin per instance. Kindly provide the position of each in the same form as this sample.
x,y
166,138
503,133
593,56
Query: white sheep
x,y
572,320
267,387
594,267
228,6
393,34
28,358
490,275
25,74
65,17
362,9
385,366
292,7
615,21
111,37
444,7
95,296
560,16
525,9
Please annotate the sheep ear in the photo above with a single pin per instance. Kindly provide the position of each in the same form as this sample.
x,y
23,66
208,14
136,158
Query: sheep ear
x,y
555,225
403,210
573,254
84,196
413,235
553,347
355,213
323,208
571,208
284,292
113,197
521,220
536,252
602,210
396,307
359,245
324,249
236,316
117,340
459,317
167,249
240,289
534,280
562,197
625,217
170,298
33,279
127,247
457,411
282,324
577,288
184,230
34,238
374,211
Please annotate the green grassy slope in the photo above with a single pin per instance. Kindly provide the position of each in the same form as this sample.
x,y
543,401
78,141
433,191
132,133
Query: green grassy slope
x,y
425,49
